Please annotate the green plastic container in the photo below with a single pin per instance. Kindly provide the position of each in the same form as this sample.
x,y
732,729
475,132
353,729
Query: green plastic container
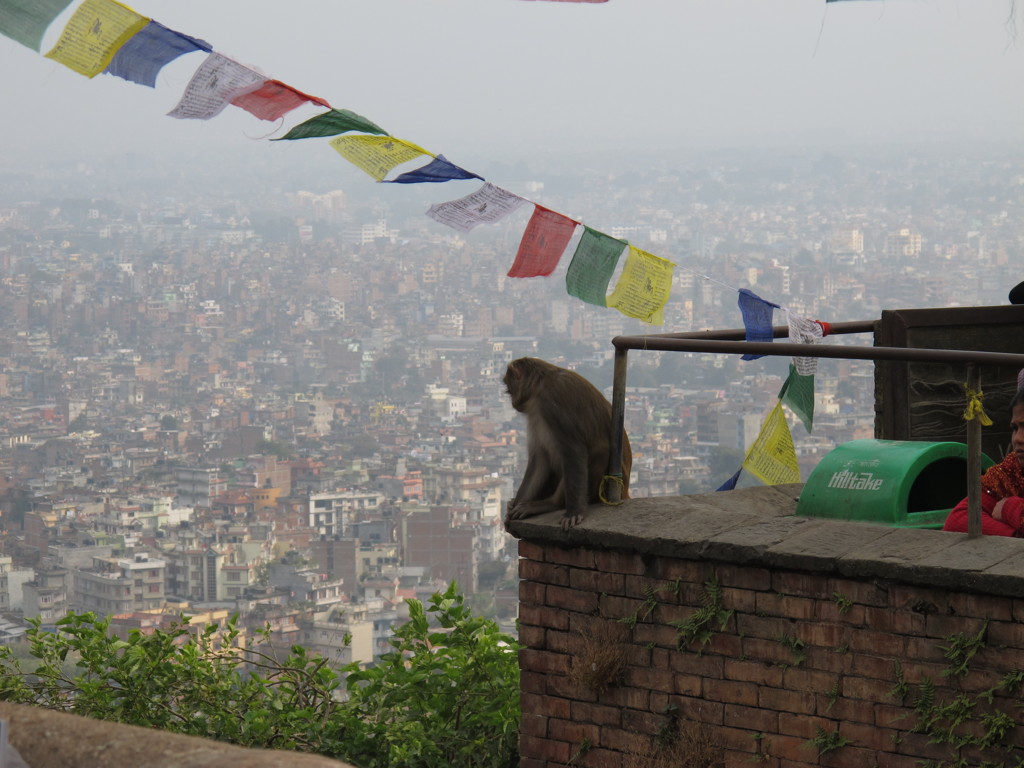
x,y
900,483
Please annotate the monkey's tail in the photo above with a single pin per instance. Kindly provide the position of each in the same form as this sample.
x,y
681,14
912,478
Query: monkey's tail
x,y
600,491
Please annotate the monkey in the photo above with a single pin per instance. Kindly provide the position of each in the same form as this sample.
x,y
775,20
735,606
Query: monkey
x,y
568,438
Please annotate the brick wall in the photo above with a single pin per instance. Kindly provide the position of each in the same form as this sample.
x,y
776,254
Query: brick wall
x,y
641,649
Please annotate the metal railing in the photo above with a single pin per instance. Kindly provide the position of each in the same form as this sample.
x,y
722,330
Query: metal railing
x,y
732,341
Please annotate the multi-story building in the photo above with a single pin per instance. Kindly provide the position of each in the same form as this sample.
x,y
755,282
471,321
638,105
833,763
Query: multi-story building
x,y
121,585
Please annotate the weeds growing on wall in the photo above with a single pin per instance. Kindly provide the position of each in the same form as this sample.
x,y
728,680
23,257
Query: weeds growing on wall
x,y
968,722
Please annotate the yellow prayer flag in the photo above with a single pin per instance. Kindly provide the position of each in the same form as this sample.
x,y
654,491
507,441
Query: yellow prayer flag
x,y
95,32
376,154
772,457
643,287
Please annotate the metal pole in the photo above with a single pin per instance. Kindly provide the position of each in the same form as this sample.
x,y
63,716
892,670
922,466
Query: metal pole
x,y
974,458
613,491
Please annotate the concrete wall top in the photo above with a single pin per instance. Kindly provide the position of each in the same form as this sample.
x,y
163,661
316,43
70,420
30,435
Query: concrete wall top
x,y
758,527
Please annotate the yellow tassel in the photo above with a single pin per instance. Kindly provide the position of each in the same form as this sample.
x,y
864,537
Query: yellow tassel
x,y
600,493
974,407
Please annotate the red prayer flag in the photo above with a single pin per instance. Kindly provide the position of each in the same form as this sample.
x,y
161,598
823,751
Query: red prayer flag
x,y
543,243
274,99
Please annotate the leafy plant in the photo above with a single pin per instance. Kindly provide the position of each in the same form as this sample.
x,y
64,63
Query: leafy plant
x,y
827,741
447,694
842,601
961,649
699,627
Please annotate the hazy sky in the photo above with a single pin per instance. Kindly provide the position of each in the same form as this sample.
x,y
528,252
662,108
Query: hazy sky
x,y
515,77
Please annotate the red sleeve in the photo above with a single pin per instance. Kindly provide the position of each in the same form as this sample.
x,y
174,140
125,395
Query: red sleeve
x,y
957,519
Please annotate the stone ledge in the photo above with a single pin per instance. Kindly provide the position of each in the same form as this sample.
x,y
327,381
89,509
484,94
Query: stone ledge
x,y
758,527
48,739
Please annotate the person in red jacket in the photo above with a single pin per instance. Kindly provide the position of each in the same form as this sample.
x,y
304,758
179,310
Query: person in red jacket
x,y
1002,486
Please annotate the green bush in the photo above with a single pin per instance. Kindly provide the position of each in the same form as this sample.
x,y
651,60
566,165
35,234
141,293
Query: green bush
x,y
446,695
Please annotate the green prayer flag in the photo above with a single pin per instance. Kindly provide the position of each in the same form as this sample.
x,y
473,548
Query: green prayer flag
x,y
592,266
331,124
798,394
26,20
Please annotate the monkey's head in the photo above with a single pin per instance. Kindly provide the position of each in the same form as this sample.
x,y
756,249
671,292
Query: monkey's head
x,y
523,376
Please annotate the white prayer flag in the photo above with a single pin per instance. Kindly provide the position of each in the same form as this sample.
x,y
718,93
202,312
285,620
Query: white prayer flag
x,y
217,81
485,206
803,330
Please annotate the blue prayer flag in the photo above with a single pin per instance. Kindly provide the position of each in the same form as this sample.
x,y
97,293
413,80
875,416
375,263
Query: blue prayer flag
x,y
146,53
438,169
757,318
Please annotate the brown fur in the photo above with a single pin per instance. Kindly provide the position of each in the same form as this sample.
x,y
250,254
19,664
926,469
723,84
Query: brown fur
x,y
568,432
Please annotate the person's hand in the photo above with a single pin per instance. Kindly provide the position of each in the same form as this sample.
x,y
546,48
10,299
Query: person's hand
x,y
997,510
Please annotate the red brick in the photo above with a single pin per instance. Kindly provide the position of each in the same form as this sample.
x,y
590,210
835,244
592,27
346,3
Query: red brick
x,y
544,572
800,584
850,756
655,634
573,732
595,581
624,741
650,679
981,606
791,750
532,682
580,558
691,663
546,662
899,622
531,636
803,726
599,714
721,644
688,685
634,698
828,659
845,709
534,725
560,642
826,635
881,643
699,710
564,687
786,606
751,718
771,627
809,681
739,600
532,593
610,561
1003,634
766,650
643,588
731,692
834,614
867,690
543,616
543,749
878,667
572,599
743,577
923,648
532,762
753,672
861,592
869,736
890,760
670,569
784,701
642,722
942,627
545,706
600,758
613,607
532,551
892,715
